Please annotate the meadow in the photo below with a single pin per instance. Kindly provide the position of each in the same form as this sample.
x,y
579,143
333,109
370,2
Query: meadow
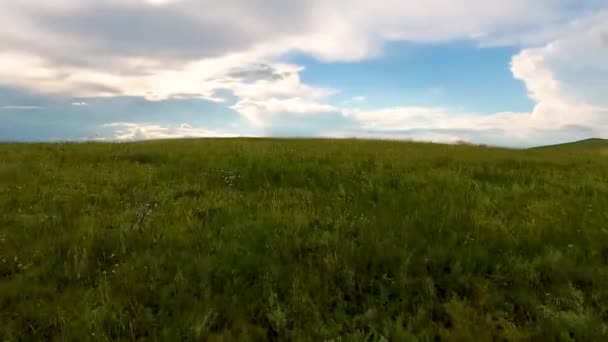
x,y
302,240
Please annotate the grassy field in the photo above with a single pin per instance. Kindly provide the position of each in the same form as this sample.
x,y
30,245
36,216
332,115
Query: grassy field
x,y
302,240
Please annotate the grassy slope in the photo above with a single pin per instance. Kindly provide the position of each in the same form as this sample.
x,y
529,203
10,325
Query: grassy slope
x,y
593,143
301,240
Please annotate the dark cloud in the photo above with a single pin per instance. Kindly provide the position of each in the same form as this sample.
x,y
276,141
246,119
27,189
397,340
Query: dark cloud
x,y
257,72
147,31
578,128
182,31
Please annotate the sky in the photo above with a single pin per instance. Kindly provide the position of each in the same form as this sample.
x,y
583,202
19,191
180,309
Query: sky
x,y
513,73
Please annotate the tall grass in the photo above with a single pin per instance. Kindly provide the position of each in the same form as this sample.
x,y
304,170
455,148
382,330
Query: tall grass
x,y
252,239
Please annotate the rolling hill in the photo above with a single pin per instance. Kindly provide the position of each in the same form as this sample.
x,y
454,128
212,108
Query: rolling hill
x,y
583,144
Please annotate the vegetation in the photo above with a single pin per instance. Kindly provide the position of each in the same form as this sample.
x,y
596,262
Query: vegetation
x,y
302,240
593,143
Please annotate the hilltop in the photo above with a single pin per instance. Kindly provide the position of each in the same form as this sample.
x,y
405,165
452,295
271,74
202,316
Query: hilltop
x,y
581,144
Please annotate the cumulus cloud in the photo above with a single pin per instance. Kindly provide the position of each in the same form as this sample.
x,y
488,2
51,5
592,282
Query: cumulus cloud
x,y
567,77
163,49
196,29
501,129
261,112
129,131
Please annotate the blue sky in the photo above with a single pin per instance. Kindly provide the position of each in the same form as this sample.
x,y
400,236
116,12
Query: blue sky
x,y
452,74
510,73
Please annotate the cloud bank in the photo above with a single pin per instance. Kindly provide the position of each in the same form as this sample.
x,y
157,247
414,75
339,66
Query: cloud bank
x,y
128,131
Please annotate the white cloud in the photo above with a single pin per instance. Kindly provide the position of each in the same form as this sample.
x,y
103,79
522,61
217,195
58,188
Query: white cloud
x,y
79,104
436,124
199,28
260,112
162,49
128,131
424,136
20,107
568,77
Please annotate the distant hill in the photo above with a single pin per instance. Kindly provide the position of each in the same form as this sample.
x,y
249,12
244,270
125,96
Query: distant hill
x,y
587,143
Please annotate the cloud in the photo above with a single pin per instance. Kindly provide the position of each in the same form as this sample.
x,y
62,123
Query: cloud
x,y
166,49
129,131
79,104
435,124
413,135
179,49
441,125
13,107
261,112
565,77
568,76
288,85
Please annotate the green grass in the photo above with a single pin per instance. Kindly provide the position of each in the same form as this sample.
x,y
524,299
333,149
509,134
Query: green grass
x,y
302,240
593,143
